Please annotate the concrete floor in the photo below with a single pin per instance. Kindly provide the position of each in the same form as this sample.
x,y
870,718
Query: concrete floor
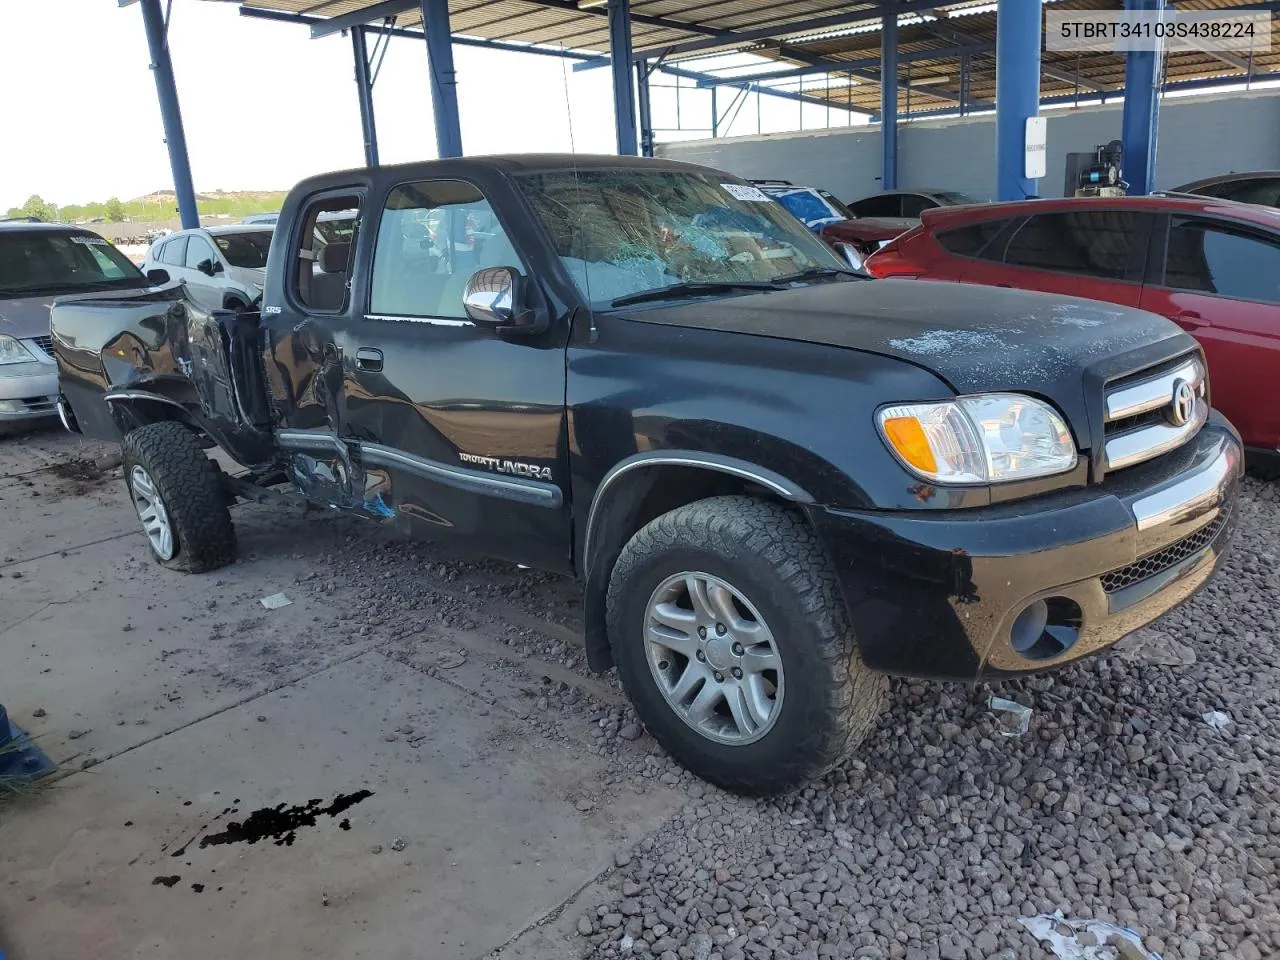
x,y
177,705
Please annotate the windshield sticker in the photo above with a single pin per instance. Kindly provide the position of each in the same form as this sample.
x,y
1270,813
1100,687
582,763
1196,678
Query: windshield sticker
x,y
742,191
96,241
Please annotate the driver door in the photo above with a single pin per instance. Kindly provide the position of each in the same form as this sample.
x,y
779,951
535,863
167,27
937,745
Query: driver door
x,y
464,423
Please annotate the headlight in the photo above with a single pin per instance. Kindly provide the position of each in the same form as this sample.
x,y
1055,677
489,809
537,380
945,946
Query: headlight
x,y
12,351
987,438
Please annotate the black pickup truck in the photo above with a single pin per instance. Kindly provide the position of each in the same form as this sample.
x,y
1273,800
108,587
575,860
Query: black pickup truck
x,y
776,480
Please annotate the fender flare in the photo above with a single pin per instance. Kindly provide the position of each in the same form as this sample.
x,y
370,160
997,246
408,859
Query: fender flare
x,y
595,575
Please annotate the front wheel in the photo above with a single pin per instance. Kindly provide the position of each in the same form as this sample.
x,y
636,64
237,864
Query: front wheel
x,y
183,508
731,638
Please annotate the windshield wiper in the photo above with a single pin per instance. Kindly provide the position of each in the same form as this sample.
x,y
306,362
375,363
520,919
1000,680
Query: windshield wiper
x,y
815,273
693,288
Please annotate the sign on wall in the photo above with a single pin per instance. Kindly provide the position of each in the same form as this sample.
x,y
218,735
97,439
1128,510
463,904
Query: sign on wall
x,y
1037,156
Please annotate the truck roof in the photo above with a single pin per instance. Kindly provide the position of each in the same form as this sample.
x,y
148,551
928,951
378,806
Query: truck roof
x,y
514,164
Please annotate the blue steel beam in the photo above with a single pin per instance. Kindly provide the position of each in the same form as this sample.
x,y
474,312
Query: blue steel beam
x,y
1141,110
866,63
724,38
170,114
389,8
757,88
283,16
364,91
1017,93
624,93
889,101
644,111
444,81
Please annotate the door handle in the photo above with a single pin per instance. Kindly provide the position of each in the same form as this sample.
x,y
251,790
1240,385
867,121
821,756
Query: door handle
x,y
1191,318
369,359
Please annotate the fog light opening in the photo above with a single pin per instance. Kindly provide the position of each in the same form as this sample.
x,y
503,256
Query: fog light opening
x,y
1046,628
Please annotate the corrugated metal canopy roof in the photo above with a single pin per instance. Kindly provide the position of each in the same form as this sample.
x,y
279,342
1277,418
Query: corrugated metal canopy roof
x,y
809,34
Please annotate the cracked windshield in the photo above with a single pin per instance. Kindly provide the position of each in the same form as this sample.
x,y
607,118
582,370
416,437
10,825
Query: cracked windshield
x,y
621,233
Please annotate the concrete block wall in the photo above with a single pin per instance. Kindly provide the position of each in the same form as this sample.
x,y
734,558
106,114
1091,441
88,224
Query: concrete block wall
x,y
1199,136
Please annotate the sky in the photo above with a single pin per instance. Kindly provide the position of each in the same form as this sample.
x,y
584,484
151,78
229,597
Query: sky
x,y
264,105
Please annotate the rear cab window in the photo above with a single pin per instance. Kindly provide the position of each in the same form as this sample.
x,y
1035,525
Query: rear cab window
x,y
323,249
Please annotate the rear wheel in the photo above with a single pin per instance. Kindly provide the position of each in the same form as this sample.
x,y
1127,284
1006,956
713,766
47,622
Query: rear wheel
x,y
731,638
175,489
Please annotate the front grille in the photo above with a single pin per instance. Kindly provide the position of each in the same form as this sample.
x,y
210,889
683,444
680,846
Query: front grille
x,y
1162,560
44,343
1140,411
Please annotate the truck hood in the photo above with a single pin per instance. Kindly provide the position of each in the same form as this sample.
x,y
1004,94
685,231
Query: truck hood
x,y
978,339
869,228
27,317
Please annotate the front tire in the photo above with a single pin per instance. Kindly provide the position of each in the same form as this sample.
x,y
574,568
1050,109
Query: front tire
x,y
731,638
175,490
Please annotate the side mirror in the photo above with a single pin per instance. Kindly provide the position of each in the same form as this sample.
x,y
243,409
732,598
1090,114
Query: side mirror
x,y
158,277
207,267
495,297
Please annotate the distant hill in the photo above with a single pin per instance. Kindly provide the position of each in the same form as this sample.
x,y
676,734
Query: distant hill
x,y
163,205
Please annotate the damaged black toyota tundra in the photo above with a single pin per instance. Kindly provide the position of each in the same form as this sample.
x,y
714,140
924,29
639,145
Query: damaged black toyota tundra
x,y
776,480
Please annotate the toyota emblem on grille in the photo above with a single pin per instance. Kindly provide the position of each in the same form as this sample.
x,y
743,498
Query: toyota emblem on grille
x,y
1183,407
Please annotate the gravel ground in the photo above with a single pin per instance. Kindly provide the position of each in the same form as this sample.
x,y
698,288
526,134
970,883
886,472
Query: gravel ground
x,y
1121,803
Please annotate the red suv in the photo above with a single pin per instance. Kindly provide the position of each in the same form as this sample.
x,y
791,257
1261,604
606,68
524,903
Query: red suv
x,y
1212,266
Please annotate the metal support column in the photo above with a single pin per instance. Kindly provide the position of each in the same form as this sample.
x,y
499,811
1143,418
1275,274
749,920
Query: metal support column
x,y
715,114
364,90
624,94
1141,111
444,82
642,103
170,115
889,100
1018,30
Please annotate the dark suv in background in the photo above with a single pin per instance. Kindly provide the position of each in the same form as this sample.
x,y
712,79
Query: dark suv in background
x,y
1211,266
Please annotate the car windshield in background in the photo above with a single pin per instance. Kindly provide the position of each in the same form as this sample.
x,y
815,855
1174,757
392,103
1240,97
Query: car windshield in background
x,y
954,198
809,206
34,261
247,249
624,232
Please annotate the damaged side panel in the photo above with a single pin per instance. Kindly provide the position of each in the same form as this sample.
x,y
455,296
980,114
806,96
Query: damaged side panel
x,y
127,361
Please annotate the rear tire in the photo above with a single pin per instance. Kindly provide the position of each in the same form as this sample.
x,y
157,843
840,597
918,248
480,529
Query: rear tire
x,y
763,569
175,489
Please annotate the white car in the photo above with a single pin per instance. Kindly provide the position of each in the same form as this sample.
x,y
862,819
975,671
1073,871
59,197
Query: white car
x,y
223,267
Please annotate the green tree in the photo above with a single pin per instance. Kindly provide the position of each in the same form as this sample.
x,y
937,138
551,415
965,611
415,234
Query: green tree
x,y
115,210
40,209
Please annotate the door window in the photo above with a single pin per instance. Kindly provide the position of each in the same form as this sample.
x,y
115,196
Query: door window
x,y
320,263
1217,259
432,237
881,205
174,252
198,251
1095,243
